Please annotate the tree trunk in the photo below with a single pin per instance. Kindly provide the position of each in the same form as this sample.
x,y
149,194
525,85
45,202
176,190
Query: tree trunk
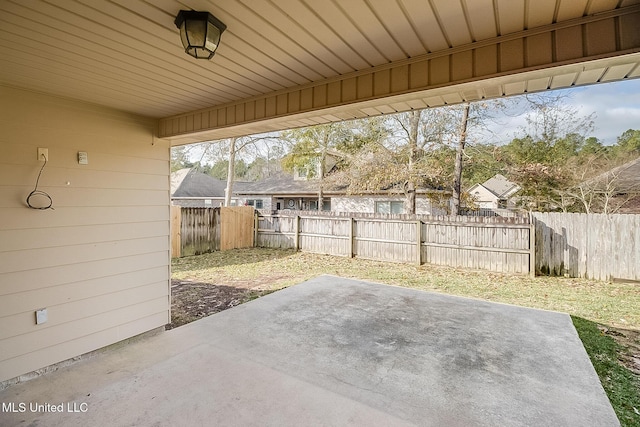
x,y
410,188
321,173
457,171
230,172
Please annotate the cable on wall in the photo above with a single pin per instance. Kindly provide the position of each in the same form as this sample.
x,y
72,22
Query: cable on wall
x,y
37,192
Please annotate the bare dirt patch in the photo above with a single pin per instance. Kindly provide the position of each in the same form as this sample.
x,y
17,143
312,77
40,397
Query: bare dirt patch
x,y
194,300
630,342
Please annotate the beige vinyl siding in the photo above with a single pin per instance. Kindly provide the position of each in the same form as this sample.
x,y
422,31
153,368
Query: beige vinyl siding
x,y
99,262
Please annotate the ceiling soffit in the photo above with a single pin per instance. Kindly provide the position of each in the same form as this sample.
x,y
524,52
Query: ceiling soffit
x,y
540,59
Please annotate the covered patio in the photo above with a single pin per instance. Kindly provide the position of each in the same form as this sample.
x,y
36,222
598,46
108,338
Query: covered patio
x,y
93,94
333,351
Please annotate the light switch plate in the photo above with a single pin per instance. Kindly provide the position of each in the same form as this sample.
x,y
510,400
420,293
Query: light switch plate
x,y
41,316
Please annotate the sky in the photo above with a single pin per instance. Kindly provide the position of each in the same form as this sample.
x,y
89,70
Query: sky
x,y
616,106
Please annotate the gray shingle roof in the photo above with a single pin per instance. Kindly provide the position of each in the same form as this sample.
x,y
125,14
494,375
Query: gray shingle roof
x,y
190,183
625,178
279,184
500,186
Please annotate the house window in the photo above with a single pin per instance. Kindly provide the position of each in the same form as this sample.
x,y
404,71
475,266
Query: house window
x,y
313,205
301,172
326,205
256,203
389,207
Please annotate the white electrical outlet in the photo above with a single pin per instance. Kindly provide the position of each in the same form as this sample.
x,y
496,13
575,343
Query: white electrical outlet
x,y
43,154
41,316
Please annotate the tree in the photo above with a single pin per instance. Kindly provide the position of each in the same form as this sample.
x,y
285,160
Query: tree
x,y
389,153
180,158
592,146
482,161
457,172
541,160
417,149
310,149
230,171
267,161
220,169
410,184
235,146
551,117
419,138
628,144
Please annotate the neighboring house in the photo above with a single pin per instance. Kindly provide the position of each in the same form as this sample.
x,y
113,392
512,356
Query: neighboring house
x,y
290,192
297,191
191,188
619,187
495,193
387,202
282,191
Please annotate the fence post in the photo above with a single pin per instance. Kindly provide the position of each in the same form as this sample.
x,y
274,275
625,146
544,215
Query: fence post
x,y
256,222
419,242
176,223
296,243
532,246
351,236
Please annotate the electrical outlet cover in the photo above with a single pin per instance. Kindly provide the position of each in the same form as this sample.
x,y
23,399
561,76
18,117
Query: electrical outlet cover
x,y
41,316
43,152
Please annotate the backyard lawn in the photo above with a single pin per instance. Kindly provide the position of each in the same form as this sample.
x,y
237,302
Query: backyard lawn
x,y
606,315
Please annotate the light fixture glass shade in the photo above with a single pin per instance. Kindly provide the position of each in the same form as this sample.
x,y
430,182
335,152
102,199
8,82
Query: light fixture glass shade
x,y
200,33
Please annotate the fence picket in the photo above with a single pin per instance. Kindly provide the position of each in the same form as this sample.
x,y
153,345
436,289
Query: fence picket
x,y
196,231
490,243
594,246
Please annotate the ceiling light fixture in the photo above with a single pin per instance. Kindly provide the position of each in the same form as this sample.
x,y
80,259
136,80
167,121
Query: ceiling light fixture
x,y
200,33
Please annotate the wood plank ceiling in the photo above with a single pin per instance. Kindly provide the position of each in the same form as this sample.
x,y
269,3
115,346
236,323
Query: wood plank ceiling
x,y
126,54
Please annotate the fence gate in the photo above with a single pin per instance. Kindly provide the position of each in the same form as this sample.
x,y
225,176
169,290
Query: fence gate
x,y
196,231
236,227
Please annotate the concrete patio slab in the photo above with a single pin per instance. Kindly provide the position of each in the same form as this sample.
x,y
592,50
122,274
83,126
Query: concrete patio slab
x,y
333,351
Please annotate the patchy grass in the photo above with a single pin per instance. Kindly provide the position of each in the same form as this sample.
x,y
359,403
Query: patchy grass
x,y
614,304
614,349
622,387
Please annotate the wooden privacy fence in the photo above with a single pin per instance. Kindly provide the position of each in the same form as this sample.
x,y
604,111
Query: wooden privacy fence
x,y
196,231
485,243
593,246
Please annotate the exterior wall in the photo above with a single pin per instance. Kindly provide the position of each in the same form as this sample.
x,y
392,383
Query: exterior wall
x,y
267,201
483,197
367,204
99,262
